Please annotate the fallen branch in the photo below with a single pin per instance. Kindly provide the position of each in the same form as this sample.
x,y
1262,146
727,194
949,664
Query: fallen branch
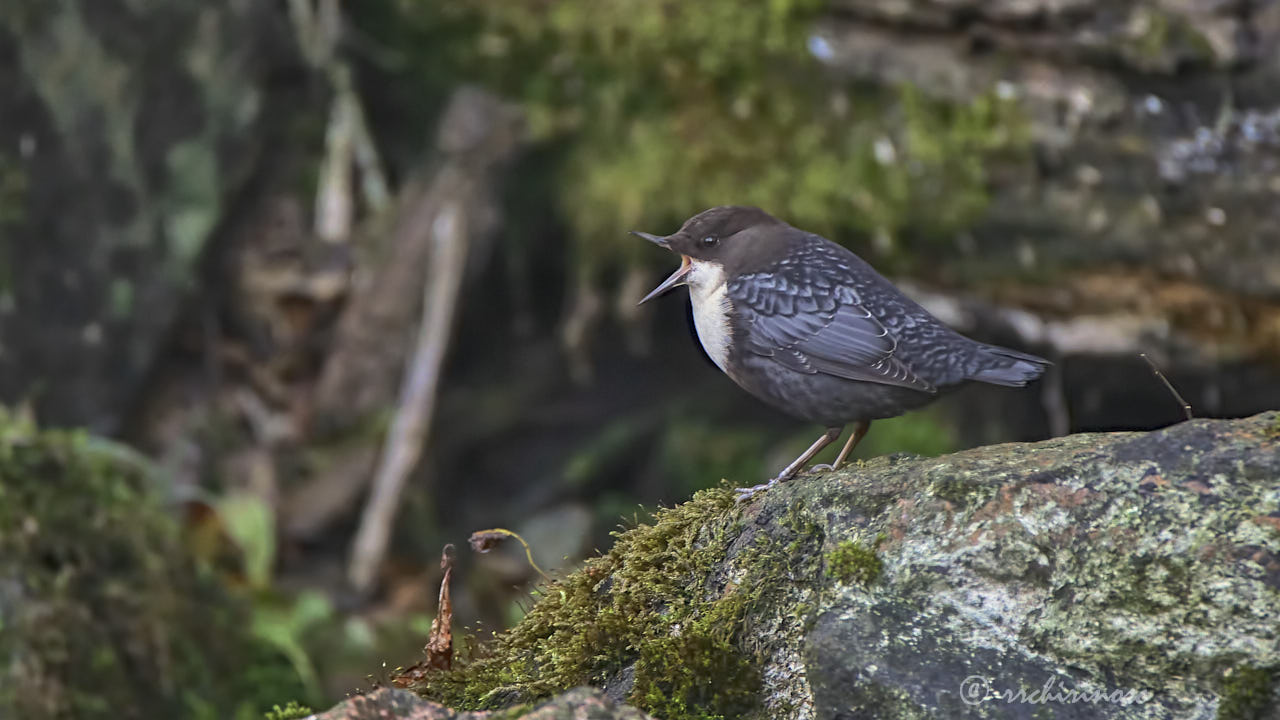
x,y
457,210
449,238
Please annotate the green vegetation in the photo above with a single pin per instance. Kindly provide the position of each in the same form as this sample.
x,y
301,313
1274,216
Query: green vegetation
x,y
660,109
115,619
641,610
292,711
853,563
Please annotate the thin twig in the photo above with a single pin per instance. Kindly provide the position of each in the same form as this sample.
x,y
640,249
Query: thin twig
x,y
373,179
1186,406
348,144
416,406
335,203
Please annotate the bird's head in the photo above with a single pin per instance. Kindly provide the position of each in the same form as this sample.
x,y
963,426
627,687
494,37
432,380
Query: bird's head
x,y
718,242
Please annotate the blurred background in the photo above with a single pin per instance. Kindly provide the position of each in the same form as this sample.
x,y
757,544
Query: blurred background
x,y
341,283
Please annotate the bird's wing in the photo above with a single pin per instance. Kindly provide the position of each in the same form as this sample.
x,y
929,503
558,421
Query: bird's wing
x,y
811,320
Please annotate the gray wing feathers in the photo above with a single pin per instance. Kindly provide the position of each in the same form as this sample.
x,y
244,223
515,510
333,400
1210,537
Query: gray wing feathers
x,y
818,326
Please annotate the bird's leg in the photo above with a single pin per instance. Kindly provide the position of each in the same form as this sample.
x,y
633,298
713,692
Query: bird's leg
x,y
797,465
860,429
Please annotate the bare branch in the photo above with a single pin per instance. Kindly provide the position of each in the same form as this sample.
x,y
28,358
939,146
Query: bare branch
x,y
449,238
1186,406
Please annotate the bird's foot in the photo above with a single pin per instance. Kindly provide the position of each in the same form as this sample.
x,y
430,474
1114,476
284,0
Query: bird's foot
x,y
745,494
825,467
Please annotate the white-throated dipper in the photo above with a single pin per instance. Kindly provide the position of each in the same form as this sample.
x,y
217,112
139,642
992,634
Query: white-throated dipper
x,y
810,328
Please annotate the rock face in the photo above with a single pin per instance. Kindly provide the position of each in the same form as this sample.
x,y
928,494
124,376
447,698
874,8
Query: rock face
x,y
1155,123
127,130
1128,575
388,702
1143,218
1099,563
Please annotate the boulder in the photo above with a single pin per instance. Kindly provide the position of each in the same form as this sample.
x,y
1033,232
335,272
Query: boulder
x,y
1132,575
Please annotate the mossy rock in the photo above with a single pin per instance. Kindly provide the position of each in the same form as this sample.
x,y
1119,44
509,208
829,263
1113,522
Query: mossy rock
x,y
388,703
103,613
1143,566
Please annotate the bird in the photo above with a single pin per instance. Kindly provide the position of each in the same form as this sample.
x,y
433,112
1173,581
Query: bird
x,y
807,326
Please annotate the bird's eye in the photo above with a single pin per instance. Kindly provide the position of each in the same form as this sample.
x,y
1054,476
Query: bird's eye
x,y
710,241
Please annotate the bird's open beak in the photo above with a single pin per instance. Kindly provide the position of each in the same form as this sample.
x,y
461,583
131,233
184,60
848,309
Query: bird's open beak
x,y
677,277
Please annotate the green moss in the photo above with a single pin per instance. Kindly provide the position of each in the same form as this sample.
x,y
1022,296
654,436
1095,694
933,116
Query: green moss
x,y
805,532
852,563
115,619
292,711
1248,693
660,109
642,610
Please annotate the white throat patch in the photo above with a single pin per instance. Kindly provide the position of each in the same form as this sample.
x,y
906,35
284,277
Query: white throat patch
x,y
710,309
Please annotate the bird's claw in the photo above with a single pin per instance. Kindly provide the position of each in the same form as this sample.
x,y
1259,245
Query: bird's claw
x,y
745,494
823,467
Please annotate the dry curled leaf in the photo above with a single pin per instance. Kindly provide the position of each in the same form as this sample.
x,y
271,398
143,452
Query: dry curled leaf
x,y
440,642
439,648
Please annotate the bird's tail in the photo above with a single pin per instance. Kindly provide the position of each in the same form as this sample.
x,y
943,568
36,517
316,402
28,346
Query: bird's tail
x,y
1002,366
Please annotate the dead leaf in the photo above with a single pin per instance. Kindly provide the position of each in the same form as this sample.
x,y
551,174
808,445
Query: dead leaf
x,y
439,647
440,642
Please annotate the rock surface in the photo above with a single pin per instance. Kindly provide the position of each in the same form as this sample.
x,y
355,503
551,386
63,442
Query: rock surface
x,y
582,703
1138,566
128,128
1155,123
1143,216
